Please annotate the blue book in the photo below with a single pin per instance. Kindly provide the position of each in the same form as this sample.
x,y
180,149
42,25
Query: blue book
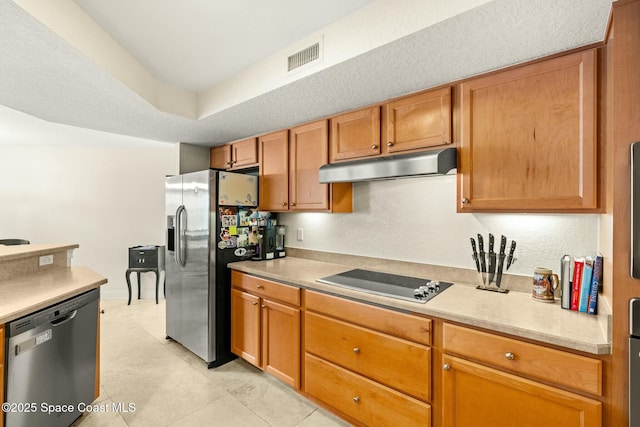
x,y
595,284
585,286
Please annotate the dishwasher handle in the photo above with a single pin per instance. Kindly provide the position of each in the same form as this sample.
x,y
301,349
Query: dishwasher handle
x,y
67,318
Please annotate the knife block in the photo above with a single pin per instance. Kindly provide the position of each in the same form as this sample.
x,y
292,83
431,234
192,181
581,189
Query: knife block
x,y
487,283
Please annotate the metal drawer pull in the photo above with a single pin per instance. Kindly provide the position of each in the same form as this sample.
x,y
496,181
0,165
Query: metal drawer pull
x,y
374,146
446,367
259,286
356,399
254,303
356,349
510,356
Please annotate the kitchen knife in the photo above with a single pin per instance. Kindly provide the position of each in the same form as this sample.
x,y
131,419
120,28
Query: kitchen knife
x,y
492,259
475,254
483,262
503,246
511,251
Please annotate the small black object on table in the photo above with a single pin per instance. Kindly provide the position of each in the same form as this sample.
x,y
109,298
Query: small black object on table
x,y
144,259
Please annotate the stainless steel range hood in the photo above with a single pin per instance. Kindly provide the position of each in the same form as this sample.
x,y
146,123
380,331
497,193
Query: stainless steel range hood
x,y
434,162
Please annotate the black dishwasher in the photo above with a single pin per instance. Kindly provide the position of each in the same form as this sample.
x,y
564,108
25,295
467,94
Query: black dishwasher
x,y
51,363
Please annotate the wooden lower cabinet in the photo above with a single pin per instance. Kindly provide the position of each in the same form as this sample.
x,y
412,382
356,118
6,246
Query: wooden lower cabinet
x,y
492,380
362,399
476,395
265,331
368,363
1,372
245,326
281,341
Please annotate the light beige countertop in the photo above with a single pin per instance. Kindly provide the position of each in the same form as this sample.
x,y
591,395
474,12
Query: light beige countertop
x,y
26,287
514,313
27,294
22,251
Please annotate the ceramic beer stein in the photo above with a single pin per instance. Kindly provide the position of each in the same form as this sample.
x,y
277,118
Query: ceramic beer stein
x,y
544,284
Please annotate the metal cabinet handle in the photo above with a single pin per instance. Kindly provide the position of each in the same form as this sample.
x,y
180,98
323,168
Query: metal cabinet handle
x,y
389,144
356,349
465,201
263,306
260,286
254,303
284,203
292,204
446,367
374,146
356,399
510,356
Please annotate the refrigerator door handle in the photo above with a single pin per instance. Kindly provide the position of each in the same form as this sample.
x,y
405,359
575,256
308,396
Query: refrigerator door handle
x,y
180,259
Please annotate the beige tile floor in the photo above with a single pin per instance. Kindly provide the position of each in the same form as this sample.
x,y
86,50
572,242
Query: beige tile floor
x,y
166,385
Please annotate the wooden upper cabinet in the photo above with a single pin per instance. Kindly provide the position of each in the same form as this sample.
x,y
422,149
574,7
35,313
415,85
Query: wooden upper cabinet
x,y
237,155
308,150
355,134
528,138
274,171
289,164
244,153
418,121
220,157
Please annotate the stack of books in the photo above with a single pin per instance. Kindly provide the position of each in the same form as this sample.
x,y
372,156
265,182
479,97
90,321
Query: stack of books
x,y
581,292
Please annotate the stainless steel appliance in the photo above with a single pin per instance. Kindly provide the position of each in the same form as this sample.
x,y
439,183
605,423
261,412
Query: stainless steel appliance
x,y
280,241
390,285
51,361
211,220
424,163
634,362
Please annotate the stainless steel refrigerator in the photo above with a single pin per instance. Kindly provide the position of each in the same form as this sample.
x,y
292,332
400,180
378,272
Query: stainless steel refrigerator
x,y
210,215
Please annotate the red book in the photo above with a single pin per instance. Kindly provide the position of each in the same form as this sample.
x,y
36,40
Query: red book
x,y
577,282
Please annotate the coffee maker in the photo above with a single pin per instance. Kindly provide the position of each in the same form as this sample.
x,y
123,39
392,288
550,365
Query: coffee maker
x,y
266,241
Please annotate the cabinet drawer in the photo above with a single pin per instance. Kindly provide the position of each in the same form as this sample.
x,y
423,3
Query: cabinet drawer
x,y
390,322
361,398
571,370
266,288
400,364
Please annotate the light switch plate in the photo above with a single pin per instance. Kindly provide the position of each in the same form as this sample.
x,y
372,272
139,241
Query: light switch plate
x,y
300,234
46,260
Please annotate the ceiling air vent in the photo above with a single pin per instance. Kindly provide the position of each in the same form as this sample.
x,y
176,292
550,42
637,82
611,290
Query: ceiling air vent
x,y
305,57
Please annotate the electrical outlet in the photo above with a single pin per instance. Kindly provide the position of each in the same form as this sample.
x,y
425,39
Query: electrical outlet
x,y
300,234
46,260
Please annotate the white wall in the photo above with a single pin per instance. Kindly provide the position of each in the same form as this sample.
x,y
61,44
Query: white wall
x,y
61,184
415,220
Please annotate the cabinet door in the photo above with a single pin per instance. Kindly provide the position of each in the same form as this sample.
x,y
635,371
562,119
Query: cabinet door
x,y
281,342
419,121
529,139
274,171
308,150
220,157
245,326
244,153
474,395
355,134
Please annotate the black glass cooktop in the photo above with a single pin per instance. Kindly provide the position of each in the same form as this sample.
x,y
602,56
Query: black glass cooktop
x,y
390,285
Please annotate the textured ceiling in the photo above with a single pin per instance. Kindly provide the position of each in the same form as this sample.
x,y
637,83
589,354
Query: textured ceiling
x,y
43,76
193,44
